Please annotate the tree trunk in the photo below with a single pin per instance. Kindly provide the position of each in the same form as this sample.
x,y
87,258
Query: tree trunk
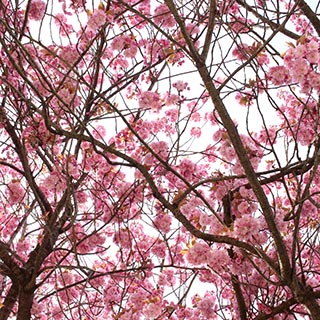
x,y
25,305
313,306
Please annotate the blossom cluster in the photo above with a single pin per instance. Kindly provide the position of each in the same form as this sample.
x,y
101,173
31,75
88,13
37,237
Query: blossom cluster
x,y
300,66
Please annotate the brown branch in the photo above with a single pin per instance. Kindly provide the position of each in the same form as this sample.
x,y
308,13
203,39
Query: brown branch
x,y
307,296
9,301
282,307
7,164
272,25
238,146
248,169
239,296
172,207
52,231
228,217
211,24
25,304
6,255
308,12
22,154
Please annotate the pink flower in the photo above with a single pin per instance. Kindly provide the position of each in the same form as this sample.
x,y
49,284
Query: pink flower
x,y
118,43
159,249
218,259
152,310
240,25
163,222
243,207
227,151
262,59
97,19
313,56
246,227
300,51
111,293
138,297
198,254
180,85
192,28
279,75
53,182
123,238
37,10
163,17
172,115
69,54
313,45
150,100
196,132
167,278
314,79
15,192
188,169
172,99
78,4
131,51
206,306
300,67
99,132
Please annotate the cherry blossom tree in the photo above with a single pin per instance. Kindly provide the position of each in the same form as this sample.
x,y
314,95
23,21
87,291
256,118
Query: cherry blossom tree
x,y
159,159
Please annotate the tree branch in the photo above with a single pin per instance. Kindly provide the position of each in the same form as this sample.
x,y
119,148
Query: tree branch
x,y
210,28
308,12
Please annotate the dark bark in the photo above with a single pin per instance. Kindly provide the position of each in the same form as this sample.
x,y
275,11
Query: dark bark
x,y
239,148
313,306
9,301
311,15
271,23
239,296
305,296
25,305
282,307
228,217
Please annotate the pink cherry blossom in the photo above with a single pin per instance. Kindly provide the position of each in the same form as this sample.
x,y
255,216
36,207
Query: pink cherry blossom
x,y
180,85
247,227
150,100
15,192
163,17
159,160
163,222
198,254
279,75
97,19
37,9
152,310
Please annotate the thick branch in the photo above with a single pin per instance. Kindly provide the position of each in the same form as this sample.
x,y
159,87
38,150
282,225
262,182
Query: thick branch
x,y
248,169
282,307
25,305
211,18
312,16
6,256
313,307
239,296
9,301
238,146
274,26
